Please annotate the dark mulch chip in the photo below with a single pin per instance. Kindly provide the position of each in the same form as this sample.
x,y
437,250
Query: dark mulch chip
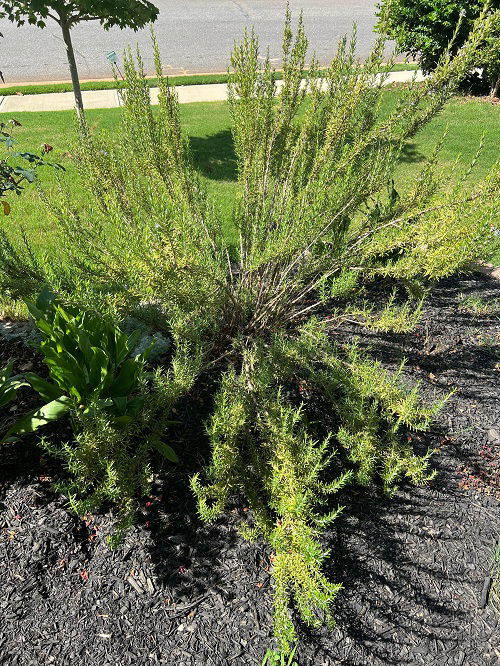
x,y
184,594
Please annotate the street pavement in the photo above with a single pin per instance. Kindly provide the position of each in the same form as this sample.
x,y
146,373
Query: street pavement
x,y
107,99
194,35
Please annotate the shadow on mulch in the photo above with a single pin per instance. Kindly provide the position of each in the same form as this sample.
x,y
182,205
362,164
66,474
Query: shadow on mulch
x,y
456,345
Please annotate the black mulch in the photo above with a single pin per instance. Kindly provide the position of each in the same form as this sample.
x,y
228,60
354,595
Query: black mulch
x,y
181,593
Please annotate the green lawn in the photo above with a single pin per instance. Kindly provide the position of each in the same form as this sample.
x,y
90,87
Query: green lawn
x,y
208,127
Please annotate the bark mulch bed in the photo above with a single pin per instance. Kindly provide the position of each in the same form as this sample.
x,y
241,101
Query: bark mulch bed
x,y
184,594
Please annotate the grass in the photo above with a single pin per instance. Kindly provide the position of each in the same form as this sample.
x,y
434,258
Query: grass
x,y
495,574
10,309
464,120
187,80
480,306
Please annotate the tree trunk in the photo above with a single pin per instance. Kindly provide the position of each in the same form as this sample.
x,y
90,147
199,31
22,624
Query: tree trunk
x,y
495,88
63,22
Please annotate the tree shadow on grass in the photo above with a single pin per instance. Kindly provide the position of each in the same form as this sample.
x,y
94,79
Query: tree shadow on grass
x,y
215,158
410,154
214,155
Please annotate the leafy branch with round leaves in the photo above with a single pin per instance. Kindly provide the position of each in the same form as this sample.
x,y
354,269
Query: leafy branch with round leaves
x,y
14,177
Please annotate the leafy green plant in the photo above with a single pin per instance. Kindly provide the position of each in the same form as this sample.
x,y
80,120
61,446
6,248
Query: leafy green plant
x,y
110,459
315,222
14,176
119,412
9,384
425,29
274,658
89,364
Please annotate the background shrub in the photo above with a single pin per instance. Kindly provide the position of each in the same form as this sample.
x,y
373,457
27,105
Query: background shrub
x,y
425,29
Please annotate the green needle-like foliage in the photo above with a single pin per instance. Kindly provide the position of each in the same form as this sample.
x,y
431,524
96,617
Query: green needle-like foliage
x,y
318,219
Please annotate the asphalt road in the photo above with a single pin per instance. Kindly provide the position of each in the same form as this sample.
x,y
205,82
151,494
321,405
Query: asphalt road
x,y
194,36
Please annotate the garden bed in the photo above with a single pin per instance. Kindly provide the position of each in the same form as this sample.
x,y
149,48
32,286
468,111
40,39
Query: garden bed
x,y
180,592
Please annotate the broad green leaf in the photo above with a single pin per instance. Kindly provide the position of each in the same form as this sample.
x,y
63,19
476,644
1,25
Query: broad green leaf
x,y
145,354
16,382
102,403
98,368
126,379
6,395
37,418
125,419
166,450
6,372
135,405
133,340
66,371
35,312
120,403
9,385
28,174
45,389
44,327
121,345
45,299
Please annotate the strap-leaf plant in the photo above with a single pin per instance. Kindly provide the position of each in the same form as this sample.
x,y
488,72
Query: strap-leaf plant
x,y
89,365
317,218
119,412
10,384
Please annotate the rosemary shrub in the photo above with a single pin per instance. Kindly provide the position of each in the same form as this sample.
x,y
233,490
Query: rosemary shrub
x,y
317,217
